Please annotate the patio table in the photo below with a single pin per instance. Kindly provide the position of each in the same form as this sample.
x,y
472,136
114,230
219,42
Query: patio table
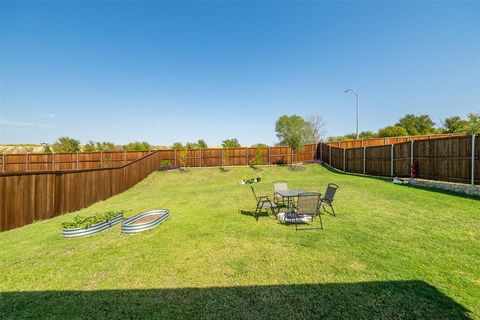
x,y
290,194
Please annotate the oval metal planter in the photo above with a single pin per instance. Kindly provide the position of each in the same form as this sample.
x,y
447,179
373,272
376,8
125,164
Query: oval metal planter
x,y
130,227
80,232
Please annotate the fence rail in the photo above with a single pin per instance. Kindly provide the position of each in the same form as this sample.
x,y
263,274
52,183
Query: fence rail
x,y
371,142
27,162
36,195
453,159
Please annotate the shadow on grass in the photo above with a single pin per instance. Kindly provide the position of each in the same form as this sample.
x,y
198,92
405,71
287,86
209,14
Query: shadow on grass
x,y
367,300
251,213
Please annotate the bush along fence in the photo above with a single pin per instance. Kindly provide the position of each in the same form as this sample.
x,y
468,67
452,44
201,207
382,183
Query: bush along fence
x,y
28,162
30,196
452,159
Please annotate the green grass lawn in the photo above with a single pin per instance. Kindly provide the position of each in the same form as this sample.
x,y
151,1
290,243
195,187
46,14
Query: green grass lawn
x,y
392,252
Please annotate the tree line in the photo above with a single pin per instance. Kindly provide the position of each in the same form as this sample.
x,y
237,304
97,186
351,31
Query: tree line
x,y
295,131
412,125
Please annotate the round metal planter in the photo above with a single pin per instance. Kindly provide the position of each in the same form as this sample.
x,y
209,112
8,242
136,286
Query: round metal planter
x,y
130,227
80,232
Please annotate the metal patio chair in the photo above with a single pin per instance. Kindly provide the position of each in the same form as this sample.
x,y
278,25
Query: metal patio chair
x,y
328,199
263,202
305,211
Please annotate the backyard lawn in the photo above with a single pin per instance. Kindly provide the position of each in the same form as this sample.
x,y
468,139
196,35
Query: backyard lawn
x,y
392,252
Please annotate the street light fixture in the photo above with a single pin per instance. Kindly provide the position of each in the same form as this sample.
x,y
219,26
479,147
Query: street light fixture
x,y
356,102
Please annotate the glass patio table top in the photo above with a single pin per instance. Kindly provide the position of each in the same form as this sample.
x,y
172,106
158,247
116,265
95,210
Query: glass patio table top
x,y
291,193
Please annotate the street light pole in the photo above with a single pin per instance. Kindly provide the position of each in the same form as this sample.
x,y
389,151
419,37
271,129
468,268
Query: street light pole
x,y
356,103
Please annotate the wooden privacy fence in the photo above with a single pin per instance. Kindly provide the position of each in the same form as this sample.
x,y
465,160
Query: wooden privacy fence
x,y
371,142
22,162
113,159
36,195
241,156
454,159
31,196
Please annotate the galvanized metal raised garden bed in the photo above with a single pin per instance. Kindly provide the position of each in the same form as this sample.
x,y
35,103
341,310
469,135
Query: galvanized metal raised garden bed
x,y
80,232
130,226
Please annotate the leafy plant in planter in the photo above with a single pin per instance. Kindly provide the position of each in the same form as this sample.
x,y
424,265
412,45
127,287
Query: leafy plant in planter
x,y
80,222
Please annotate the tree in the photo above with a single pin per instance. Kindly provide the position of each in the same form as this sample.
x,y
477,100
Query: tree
x,y
292,131
454,124
191,145
110,146
137,146
473,123
315,130
202,144
231,143
183,158
225,158
257,160
417,125
348,136
259,145
177,146
392,131
66,144
89,147
46,148
367,135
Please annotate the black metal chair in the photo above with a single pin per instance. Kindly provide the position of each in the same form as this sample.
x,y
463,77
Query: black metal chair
x,y
263,202
305,211
328,199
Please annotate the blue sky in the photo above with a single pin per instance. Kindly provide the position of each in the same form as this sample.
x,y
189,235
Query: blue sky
x,y
180,71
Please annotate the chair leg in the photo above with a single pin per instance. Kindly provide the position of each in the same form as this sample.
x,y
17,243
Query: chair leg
x,y
320,218
333,211
255,214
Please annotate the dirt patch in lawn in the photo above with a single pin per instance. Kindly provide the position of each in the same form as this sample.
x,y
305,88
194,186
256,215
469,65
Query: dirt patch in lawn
x,y
147,219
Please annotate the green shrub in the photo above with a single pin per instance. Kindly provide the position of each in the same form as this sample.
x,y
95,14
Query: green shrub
x,y
165,163
80,222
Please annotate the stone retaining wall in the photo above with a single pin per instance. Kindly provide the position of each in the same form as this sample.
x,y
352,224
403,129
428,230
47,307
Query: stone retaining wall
x,y
472,190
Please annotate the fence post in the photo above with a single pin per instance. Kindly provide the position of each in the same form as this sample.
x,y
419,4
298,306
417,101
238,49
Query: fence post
x,y
3,162
344,159
53,161
26,162
391,160
101,159
246,154
201,157
321,151
175,156
124,157
291,155
268,150
411,152
330,155
364,159
473,159
77,160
